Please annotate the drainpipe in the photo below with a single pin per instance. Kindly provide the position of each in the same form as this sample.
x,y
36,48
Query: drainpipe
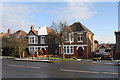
x,y
87,44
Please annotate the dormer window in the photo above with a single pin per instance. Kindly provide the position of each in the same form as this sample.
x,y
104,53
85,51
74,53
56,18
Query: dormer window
x,y
80,37
42,39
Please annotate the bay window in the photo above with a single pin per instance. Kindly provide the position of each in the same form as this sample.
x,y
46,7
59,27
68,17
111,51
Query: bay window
x,y
68,50
33,39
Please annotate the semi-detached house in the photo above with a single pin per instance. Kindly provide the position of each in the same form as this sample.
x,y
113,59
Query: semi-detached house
x,y
79,43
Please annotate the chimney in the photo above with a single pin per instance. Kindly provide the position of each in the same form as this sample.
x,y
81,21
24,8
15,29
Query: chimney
x,y
9,31
32,27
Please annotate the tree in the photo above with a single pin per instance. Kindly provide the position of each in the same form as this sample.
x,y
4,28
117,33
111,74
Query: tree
x,y
14,45
61,32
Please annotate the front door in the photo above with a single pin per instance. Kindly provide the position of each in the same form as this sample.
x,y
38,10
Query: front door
x,y
80,52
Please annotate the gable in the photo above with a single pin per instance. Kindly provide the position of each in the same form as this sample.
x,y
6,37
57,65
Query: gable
x,y
31,33
77,27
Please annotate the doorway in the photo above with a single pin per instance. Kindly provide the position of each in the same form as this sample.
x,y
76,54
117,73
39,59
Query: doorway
x,y
80,52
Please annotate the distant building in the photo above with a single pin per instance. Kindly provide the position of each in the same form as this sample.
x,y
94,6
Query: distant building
x,y
117,53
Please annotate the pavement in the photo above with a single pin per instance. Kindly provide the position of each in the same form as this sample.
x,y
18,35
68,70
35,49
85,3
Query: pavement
x,y
106,62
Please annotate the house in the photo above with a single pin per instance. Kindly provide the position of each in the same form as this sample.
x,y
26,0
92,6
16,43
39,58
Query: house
x,y
79,42
40,41
18,34
102,48
8,34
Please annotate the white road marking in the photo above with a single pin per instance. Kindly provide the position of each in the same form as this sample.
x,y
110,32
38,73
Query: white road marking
x,y
24,66
32,67
89,71
15,65
109,73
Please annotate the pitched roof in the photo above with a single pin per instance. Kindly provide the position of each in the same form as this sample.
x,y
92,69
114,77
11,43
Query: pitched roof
x,y
20,33
104,45
35,32
5,34
78,27
2,34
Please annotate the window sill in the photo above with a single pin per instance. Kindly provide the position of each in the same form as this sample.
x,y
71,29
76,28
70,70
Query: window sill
x,y
79,41
68,53
69,41
33,43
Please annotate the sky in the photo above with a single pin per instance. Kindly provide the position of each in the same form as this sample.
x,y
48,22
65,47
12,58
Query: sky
x,y
100,17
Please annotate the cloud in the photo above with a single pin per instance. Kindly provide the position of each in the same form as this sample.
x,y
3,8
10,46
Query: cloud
x,y
59,0
15,17
74,11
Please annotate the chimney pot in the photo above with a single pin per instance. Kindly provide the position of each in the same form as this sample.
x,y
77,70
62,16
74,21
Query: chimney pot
x,y
32,27
9,31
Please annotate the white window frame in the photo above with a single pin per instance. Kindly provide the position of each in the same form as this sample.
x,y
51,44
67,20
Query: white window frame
x,y
68,49
69,38
80,35
34,49
42,39
33,39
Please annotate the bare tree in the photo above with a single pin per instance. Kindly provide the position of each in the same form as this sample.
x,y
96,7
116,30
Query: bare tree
x,y
61,31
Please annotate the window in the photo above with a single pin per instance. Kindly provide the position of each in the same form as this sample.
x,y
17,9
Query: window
x,y
80,37
33,40
71,49
36,39
65,50
31,49
69,38
34,49
68,50
42,40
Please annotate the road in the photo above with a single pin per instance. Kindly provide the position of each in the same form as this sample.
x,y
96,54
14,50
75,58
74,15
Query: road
x,y
24,69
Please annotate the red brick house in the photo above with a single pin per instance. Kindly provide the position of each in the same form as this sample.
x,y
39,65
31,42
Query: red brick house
x,y
39,41
80,42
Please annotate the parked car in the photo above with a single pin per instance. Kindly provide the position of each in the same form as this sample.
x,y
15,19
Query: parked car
x,y
106,56
97,56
